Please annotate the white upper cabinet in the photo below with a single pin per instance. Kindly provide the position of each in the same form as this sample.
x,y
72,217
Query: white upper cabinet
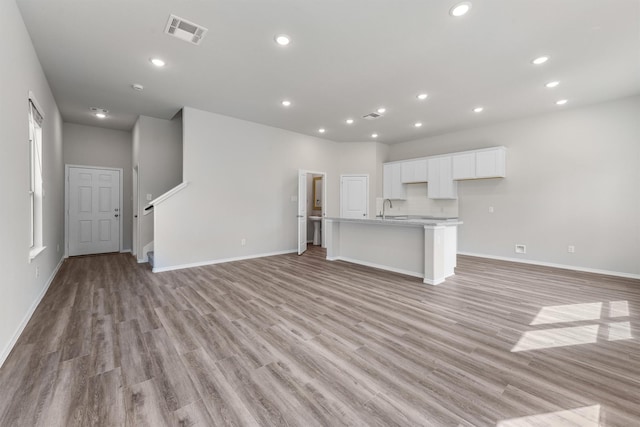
x,y
393,188
414,171
441,184
464,166
488,163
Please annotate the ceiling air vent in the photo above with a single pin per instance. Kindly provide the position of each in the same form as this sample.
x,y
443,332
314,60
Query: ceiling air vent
x,y
185,30
371,116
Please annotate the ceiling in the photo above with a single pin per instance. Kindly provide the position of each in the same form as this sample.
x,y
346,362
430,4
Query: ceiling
x,y
346,59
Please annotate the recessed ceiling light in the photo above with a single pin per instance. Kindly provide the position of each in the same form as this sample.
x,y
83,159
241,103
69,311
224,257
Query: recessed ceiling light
x,y
422,96
460,9
157,62
418,124
322,130
282,39
374,135
540,60
101,115
553,84
478,109
349,121
286,103
137,87
381,110
561,102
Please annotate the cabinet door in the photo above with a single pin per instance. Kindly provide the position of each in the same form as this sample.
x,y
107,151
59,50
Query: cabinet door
x,y
441,183
464,166
414,171
491,163
387,179
393,188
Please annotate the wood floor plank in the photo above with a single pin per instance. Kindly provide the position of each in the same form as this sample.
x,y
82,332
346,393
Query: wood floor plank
x,y
67,402
169,373
105,400
300,341
145,407
134,356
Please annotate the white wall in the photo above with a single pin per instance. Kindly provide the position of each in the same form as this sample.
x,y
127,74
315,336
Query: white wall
x,y
20,289
242,176
95,146
157,150
573,178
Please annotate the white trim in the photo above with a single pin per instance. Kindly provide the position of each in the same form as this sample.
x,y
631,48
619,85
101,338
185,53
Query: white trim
x,y
7,349
223,260
125,251
378,266
34,252
66,203
169,193
554,265
33,99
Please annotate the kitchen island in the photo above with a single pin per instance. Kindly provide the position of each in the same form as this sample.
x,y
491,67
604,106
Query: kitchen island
x,y
419,247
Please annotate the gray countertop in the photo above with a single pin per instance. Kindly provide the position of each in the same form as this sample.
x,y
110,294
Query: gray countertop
x,y
405,220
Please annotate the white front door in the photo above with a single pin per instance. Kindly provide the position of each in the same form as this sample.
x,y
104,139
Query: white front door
x,y
354,196
94,211
302,212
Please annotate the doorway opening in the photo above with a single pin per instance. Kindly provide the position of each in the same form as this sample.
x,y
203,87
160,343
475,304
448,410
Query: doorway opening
x,y
312,208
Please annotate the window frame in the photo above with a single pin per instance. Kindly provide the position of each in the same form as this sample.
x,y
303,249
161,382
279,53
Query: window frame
x,y
36,179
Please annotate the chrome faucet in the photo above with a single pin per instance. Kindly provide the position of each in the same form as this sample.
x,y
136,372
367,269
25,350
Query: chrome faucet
x,y
384,203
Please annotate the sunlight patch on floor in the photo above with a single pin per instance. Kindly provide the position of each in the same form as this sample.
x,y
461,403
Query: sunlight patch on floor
x,y
576,335
586,416
618,309
557,337
568,313
620,331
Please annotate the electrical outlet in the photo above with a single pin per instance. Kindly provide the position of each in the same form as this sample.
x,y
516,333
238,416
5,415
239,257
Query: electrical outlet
x,y
571,249
37,271
58,247
294,198
149,198
490,209
243,242
521,249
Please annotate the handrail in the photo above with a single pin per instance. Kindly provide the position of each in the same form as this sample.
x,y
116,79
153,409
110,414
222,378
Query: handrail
x,y
165,196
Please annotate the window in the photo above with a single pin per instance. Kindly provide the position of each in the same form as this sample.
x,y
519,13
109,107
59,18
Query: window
x,y
36,193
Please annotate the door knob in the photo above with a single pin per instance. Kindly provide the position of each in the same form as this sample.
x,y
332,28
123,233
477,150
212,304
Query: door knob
x,y
116,215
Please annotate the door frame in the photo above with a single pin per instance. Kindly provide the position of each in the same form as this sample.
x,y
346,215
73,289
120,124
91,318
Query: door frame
x,y
66,202
324,198
349,175
134,215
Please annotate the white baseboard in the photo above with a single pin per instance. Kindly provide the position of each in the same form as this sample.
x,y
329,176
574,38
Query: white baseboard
x,y
125,251
551,264
7,349
221,261
378,266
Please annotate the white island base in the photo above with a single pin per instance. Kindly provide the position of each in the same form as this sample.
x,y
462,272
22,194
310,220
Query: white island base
x,y
419,248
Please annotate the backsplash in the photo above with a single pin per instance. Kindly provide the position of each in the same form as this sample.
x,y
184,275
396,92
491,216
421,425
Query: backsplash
x,y
417,203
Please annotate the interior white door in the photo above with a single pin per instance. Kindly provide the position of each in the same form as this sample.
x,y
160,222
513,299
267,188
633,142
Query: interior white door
x,y
302,212
354,199
94,211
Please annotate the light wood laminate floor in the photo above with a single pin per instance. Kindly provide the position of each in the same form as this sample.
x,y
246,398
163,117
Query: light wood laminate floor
x,y
301,341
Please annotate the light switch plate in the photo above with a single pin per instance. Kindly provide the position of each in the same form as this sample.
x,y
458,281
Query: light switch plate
x,y
149,197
